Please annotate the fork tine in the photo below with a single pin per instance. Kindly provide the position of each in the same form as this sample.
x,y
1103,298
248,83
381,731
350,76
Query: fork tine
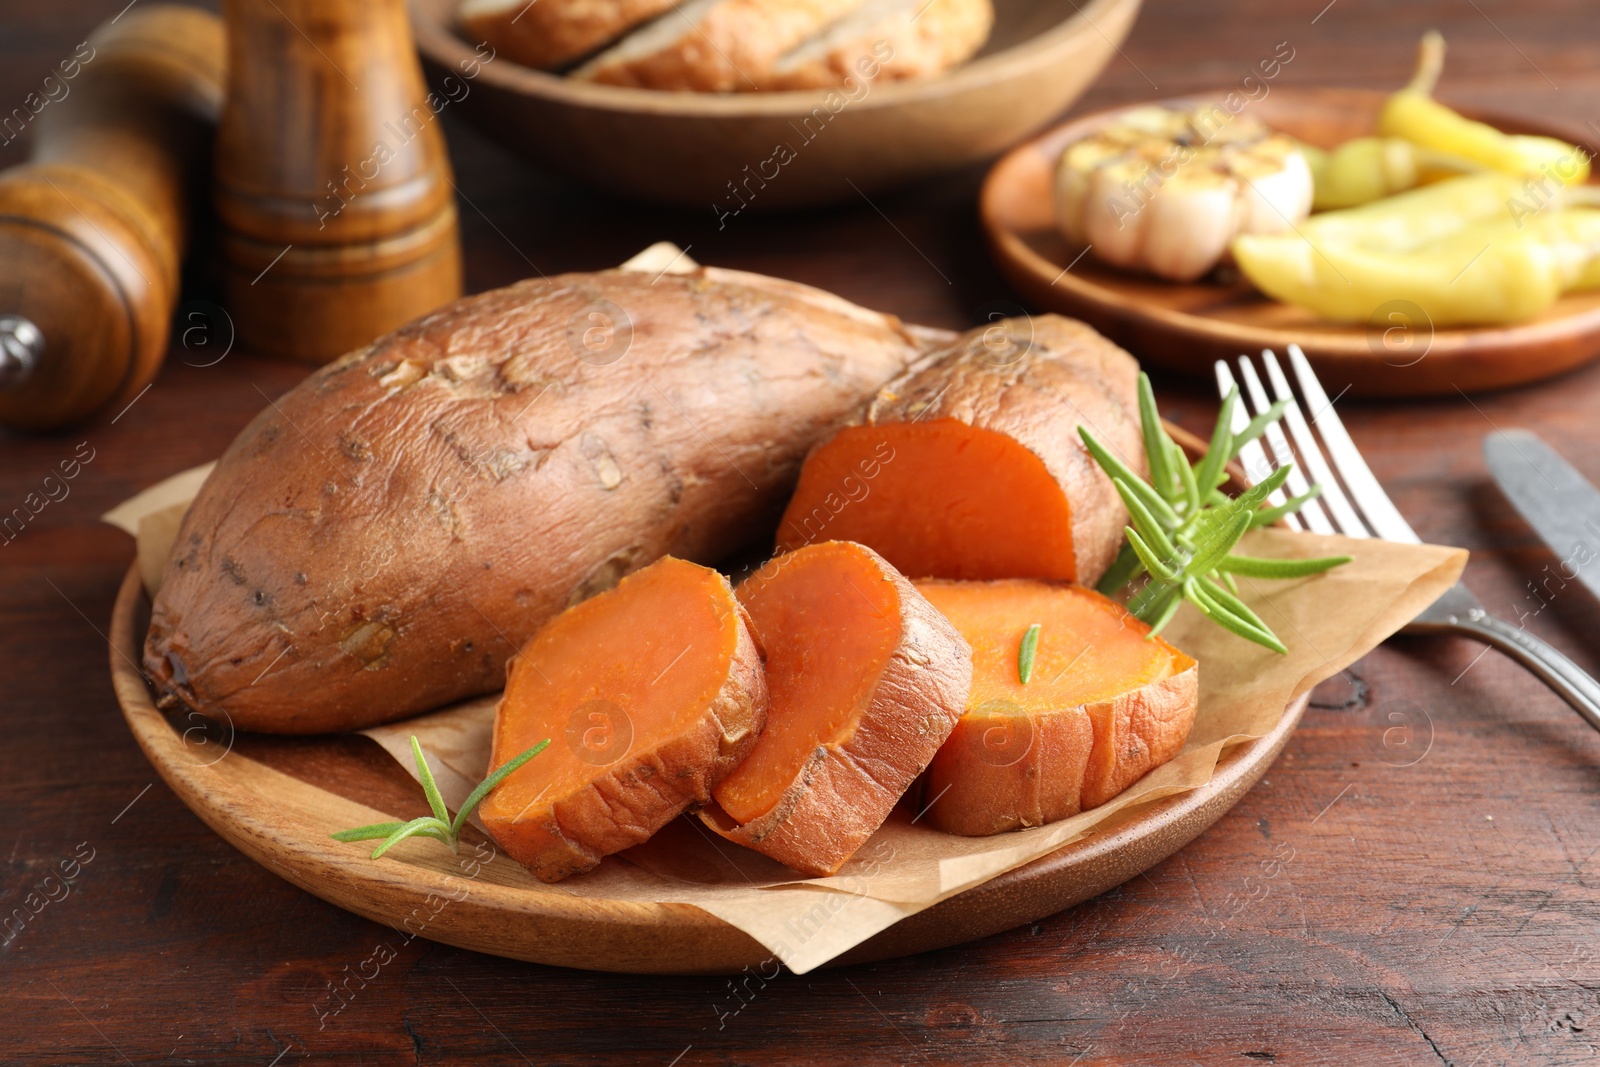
x,y
1375,504
1344,515
1311,512
1251,456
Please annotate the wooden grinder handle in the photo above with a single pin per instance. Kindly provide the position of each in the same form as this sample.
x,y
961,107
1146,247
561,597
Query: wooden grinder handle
x,y
93,228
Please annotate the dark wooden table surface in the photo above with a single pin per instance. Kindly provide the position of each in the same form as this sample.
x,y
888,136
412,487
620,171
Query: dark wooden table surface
x,y
1414,882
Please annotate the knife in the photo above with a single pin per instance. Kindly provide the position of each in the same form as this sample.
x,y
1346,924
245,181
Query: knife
x,y
1560,504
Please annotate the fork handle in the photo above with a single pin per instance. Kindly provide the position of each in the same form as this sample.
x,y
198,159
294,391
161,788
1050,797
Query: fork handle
x,y
1558,672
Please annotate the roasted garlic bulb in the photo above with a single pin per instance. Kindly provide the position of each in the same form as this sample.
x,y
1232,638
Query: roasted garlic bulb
x,y
1167,191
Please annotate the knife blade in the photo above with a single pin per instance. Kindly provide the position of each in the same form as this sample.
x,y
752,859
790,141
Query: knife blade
x,y
1561,505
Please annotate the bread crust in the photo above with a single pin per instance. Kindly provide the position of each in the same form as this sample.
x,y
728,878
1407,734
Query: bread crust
x,y
552,34
729,49
943,35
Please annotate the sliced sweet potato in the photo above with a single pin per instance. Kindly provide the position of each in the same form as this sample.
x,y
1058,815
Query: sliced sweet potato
x,y
650,692
971,466
867,680
1104,705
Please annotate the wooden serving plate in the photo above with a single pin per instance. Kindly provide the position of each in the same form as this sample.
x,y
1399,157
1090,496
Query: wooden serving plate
x,y
1187,327
692,149
276,799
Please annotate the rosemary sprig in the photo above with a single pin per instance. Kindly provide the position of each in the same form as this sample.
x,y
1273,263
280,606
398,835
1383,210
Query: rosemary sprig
x,y
1184,528
439,826
1026,653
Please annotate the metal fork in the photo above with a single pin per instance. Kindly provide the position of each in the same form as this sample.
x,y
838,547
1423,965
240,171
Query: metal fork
x,y
1360,508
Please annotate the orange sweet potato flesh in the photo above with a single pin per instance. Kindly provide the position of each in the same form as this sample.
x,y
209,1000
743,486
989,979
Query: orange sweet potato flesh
x,y
650,693
971,466
1104,706
866,680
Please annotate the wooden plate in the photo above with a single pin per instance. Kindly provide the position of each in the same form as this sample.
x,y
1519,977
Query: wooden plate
x,y
1187,327
276,799
720,150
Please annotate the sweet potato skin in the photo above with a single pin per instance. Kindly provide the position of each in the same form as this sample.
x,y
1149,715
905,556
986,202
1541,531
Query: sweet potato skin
x,y
1074,759
380,540
1028,755
1006,771
644,791
1034,380
849,787
1138,732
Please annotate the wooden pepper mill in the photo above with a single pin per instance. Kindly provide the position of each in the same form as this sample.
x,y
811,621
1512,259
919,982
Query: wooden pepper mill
x,y
92,230
333,189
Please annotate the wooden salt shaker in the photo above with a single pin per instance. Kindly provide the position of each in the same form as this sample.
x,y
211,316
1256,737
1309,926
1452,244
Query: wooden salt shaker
x,y
333,187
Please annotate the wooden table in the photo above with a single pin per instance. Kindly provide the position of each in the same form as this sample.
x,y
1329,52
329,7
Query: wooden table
x,y
1414,882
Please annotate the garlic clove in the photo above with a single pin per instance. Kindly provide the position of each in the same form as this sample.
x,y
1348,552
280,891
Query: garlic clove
x,y
1192,221
1113,219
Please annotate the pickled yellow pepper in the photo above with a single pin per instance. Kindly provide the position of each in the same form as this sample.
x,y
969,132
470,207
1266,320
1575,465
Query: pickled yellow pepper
x,y
1421,141
1370,168
1414,115
1460,251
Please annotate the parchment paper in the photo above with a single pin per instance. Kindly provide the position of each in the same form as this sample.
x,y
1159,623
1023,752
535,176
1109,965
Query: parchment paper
x,y
1328,622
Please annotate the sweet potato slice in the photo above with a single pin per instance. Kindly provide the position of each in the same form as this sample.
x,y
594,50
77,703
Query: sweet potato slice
x,y
1104,706
650,692
971,466
867,680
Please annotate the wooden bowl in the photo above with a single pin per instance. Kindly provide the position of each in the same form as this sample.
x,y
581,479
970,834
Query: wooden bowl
x,y
276,799
696,149
1187,327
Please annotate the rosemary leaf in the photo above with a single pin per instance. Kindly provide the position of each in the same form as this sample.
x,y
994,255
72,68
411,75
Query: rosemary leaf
x,y
1157,569
1123,570
1258,426
1155,451
1025,654
485,786
1191,486
429,788
1211,472
1216,549
368,833
1148,526
1268,516
1257,494
1254,567
1240,610
427,826
1115,468
1203,596
1163,612
1149,598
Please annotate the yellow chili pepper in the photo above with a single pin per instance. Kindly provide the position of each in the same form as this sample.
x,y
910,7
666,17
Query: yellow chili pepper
x,y
1414,115
1456,251
1572,237
1370,168
1418,217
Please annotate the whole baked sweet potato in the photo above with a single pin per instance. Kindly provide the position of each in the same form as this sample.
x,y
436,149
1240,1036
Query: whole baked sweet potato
x,y
383,538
